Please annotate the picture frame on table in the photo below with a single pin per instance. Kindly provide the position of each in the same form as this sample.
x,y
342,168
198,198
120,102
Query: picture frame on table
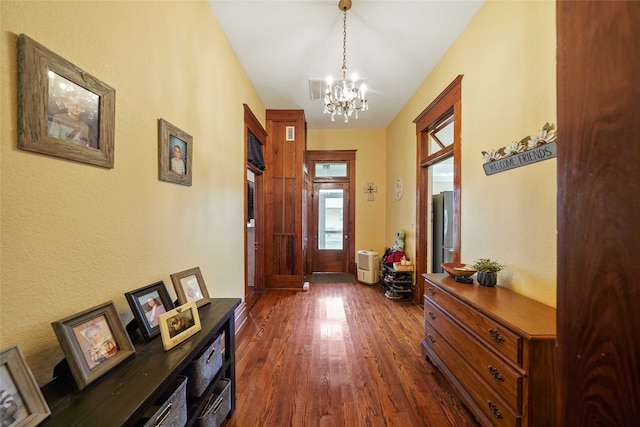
x,y
175,154
94,342
63,111
189,286
23,404
179,324
147,304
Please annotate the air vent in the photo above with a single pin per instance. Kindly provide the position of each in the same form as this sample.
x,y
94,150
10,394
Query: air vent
x,y
317,88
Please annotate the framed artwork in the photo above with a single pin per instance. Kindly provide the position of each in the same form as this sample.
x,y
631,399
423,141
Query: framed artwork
x,y
175,151
94,342
189,286
179,324
21,402
147,304
63,111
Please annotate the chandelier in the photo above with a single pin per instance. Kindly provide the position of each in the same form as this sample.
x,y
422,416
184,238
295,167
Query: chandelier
x,y
343,97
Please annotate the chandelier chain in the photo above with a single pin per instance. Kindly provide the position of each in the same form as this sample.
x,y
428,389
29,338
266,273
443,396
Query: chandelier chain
x,y
344,43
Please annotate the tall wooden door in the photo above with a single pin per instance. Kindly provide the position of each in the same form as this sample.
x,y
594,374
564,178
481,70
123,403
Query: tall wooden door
x,y
330,227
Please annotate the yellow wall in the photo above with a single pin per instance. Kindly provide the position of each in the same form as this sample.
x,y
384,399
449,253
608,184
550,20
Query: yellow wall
x,y
74,235
370,167
507,55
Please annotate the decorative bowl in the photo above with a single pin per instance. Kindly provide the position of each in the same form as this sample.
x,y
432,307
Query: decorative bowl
x,y
458,269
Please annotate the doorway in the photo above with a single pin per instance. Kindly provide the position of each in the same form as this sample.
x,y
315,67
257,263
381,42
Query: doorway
x,y
331,211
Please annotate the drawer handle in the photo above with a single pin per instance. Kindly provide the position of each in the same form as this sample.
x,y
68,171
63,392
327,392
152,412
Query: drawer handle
x,y
496,335
495,373
431,338
433,316
494,409
211,355
432,291
163,416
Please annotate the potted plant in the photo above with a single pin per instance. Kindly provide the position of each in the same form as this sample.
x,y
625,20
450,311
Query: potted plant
x,y
487,271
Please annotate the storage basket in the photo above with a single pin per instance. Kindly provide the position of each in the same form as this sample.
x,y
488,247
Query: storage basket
x,y
170,409
204,367
218,406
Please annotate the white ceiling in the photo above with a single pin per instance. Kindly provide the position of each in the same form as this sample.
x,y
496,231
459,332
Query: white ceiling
x,y
394,44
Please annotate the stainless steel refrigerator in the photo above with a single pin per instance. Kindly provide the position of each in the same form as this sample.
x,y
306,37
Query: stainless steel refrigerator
x,y
442,229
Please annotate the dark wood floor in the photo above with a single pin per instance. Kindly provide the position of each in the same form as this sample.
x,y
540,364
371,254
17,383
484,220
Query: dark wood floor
x,y
338,355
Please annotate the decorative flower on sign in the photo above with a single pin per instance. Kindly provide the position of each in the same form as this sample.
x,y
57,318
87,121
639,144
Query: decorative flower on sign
x,y
491,155
546,135
514,148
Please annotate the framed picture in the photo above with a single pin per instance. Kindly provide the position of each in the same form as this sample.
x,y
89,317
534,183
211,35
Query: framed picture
x,y
147,304
179,324
189,286
175,150
63,111
21,402
94,342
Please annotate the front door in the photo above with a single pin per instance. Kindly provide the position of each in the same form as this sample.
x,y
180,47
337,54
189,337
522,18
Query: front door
x,y
330,227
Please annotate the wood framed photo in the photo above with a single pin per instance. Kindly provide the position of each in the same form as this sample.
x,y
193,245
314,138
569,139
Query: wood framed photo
x,y
63,111
147,304
189,286
175,151
179,324
21,402
94,342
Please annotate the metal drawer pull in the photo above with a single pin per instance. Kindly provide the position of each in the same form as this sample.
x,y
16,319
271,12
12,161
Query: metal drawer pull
x,y
431,338
211,355
496,335
433,316
163,416
494,409
495,373
217,406
432,291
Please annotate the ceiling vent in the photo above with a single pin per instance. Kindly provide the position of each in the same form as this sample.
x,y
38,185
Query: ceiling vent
x,y
317,88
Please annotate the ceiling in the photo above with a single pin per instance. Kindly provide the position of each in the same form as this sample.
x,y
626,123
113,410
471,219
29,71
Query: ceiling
x,y
394,44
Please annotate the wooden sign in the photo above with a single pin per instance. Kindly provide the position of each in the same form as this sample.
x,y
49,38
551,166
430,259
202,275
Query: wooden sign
x,y
533,155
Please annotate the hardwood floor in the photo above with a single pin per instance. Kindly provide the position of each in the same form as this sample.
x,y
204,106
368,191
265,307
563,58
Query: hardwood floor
x,y
338,355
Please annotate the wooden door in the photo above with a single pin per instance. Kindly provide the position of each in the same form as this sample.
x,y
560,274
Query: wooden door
x,y
330,227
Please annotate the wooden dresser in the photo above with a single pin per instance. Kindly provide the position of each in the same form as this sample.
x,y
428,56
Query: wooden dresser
x,y
495,347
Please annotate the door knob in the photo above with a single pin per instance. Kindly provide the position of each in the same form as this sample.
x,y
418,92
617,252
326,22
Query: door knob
x,y
346,237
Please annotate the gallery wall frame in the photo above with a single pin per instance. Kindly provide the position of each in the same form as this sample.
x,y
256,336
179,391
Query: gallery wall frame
x,y
63,111
22,401
94,342
179,324
189,286
175,154
147,304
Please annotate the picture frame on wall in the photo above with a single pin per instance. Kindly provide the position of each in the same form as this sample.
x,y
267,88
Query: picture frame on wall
x,y
147,304
189,286
22,401
94,342
179,324
175,154
63,111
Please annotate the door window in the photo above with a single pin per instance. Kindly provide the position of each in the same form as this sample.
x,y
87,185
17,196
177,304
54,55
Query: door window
x,y
330,219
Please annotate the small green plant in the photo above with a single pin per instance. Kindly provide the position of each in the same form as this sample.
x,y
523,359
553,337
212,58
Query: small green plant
x,y
485,265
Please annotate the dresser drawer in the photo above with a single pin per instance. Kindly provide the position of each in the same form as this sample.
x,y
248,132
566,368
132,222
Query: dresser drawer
x,y
502,377
494,410
486,328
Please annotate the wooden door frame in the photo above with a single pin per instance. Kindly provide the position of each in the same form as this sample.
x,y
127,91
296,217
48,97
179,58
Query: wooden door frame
x,y
348,156
251,124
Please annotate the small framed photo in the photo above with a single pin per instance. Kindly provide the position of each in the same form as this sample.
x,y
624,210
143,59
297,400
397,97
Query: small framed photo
x,y
63,111
21,402
189,286
179,324
94,342
147,304
175,151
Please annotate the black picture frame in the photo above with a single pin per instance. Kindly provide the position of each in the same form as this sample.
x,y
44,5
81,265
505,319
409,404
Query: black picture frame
x,y
145,315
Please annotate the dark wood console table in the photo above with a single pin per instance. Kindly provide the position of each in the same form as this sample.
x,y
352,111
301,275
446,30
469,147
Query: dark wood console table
x,y
122,396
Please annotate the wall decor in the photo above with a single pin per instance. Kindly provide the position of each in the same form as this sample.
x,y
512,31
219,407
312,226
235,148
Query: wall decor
x,y
179,324
22,402
189,286
147,304
94,342
175,154
528,150
63,111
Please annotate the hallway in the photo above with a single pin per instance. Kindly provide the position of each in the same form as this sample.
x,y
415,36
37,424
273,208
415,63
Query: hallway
x,y
338,355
